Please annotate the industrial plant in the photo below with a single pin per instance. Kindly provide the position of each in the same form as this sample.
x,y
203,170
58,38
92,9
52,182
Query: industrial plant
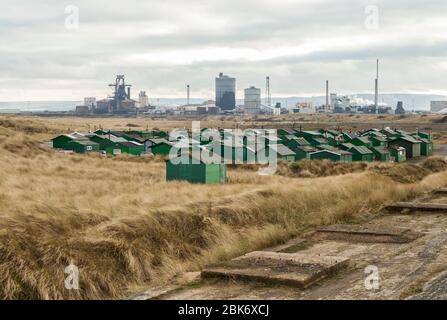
x,y
226,102
225,92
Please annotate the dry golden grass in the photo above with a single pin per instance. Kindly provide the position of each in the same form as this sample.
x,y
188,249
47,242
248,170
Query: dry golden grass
x,y
319,168
311,121
124,226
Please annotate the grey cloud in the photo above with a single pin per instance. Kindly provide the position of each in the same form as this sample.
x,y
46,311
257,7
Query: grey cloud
x,y
37,52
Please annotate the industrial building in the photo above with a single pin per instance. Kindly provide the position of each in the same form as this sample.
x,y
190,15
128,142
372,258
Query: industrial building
x,y
225,92
225,102
207,107
400,108
87,108
252,100
143,99
90,102
120,102
82,110
438,106
271,110
305,107
340,104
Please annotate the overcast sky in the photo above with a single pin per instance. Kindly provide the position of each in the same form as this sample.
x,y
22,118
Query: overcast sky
x,y
163,45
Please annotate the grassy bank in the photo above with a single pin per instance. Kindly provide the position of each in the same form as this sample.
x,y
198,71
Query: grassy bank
x,y
124,226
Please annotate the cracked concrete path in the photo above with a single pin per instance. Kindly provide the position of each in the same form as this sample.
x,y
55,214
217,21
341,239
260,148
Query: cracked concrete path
x,y
414,269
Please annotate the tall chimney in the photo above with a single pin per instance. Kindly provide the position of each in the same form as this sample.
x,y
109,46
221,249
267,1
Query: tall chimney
x,y
327,94
376,93
268,96
187,94
128,92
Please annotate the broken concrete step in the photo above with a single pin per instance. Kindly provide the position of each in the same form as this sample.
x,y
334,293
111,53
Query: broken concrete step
x,y
414,206
278,268
366,233
435,289
441,191
160,291
154,292
291,246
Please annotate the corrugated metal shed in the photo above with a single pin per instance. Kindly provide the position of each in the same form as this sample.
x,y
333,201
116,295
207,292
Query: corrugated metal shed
x,y
198,171
333,155
361,153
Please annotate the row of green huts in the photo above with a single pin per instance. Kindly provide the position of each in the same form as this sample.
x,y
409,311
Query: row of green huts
x,y
371,145
112,142
386,145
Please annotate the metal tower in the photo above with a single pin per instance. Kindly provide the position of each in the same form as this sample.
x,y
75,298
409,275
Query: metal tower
x,y
121,91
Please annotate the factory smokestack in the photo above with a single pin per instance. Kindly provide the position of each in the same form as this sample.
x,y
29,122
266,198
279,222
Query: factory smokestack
x,y
268,95
376,92
327,94
187,94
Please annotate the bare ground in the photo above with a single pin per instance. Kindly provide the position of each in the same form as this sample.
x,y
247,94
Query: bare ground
x,y
415,269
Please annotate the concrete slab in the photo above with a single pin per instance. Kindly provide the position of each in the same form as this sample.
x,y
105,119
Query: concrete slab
x,y
278,268
366,233
154,292
291,246
157,292
403,268
417,206
441,191
434,290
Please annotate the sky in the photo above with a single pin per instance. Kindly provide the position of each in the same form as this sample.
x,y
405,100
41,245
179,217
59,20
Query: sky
x,y
57,50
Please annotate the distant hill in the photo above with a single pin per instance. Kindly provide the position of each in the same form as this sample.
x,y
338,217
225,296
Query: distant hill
x,y
40,105
411,101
